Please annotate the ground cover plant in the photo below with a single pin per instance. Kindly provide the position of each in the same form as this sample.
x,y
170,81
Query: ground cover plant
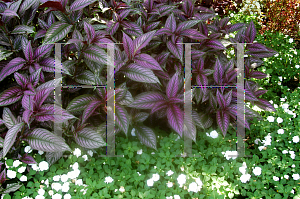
x,y
79,67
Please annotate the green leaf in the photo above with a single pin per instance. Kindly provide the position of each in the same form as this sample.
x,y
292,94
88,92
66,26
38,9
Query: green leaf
x,y
57,32
4,54
22,29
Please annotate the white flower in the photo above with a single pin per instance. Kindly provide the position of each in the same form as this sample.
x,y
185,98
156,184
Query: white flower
x,y
275,178
199,182
21,169
214,134
279,120
271,101
39,197
90,153
257,171
43,166
292,191
11,174
275,106
16,163
41,152
231,14
75,166
56,186
28,149
122,190
270,118
23,178
34,167
244,178
230,154
296,176
56,178
132,132
77,152
293,166
65,187
297,66
155,177
261,148
181,179
139,152
282,99
108,180
280,131
242,169
67,196
150,182
47,182
73,174
64,178
291,40
176,197
277,56
280,78
85,157
169,173
170,184
57,196
139,173
286,177
171,197
296,139
256,141
285,106
193,187
182,168
84,191
50,192
41,191
284,151
79,182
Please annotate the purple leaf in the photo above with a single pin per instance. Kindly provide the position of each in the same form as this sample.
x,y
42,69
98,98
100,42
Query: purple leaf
x,y
11,137
8,118
80,4
26,116
146,136
142,41
28,52
172,86
44,140
221,99
54,113
228,98
95,54
13,66
236,27
89,138
175,118
158,106
35,77
41,51
22,29
80,103
147,100
216,45
258,75
202,120
90,31
163,31
27,159
53,4
12,187
193,34
176,50
121,117
251,32
140,74
9,13
10,96
56,32
28,102
189,128
128,46
147,61
171,23
40,34
140,117
187,24
223,121
3,176
52,157
90,109
265,105
218,68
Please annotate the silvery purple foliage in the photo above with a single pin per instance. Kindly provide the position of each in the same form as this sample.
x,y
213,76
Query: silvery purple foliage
x,y
150,58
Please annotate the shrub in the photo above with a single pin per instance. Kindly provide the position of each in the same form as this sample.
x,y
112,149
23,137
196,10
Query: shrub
x,y
150,58
282,16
